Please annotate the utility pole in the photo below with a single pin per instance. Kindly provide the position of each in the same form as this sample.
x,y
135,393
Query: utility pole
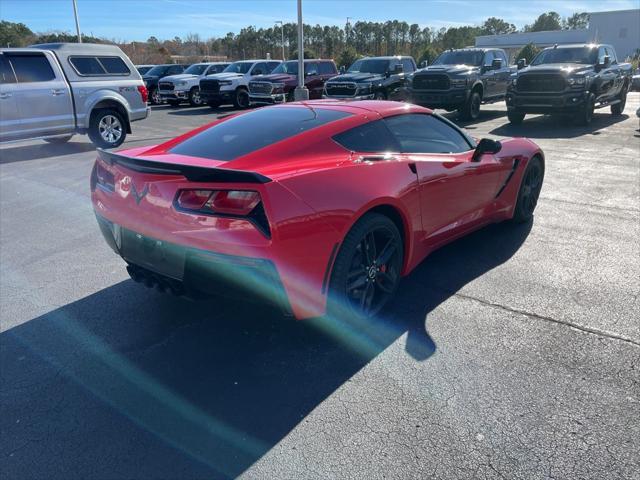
x,y
75,13
301,92
282,35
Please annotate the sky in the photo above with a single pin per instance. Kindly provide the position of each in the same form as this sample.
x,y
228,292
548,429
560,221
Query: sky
x,y
139,19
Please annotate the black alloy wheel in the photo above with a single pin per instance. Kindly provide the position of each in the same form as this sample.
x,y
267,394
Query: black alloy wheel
x,y
471,109
586,114
529,191
515,117
241,99
618,108
380,95
367,269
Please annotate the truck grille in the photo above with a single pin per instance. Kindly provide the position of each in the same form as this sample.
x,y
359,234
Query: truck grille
x,y
536,82
209,86
432,81
341,89
260,88
165,86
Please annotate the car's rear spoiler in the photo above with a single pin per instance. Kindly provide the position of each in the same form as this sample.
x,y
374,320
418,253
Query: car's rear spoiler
x,y
190,172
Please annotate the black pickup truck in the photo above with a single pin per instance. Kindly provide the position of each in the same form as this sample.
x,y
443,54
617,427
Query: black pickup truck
x,y
380,78
462,80
569,80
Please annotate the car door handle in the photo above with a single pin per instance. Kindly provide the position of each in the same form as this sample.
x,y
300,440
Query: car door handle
x,y
5,95
57,91
375,158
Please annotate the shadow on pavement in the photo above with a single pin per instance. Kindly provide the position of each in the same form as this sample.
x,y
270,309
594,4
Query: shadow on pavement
x,y
22,153
206,110
128,383
546,126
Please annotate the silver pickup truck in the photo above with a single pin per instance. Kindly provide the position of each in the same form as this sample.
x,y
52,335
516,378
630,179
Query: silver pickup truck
x,y
53,91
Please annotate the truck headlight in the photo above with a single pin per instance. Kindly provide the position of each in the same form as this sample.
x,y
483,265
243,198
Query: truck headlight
x,y
576,82
225,82
459,82
180,84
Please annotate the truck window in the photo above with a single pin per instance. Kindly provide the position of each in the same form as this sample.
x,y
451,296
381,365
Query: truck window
x,y
6,74
114,65
408,65
311,68
31,67
327,68
612,55
87,65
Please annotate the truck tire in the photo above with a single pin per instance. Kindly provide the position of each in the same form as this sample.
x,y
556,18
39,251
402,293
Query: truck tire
x,y
107,128
380,95
58,140
194,97
154,97
585,114
241,98
471,109
618,108
515,117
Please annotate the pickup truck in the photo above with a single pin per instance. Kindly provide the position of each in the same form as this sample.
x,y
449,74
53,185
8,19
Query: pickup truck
x,y
569,80
53,91
232,85
186,86
462,80
278,87
152,77
379,78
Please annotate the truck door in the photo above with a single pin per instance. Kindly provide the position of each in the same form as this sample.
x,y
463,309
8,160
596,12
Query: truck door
x,y
9,115
488,75
42,94
312,79
503,74
607,76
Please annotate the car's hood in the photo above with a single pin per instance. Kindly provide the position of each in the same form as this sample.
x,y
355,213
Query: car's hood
x,y
278,78
359,77
179,77
564,68
448,69
225,76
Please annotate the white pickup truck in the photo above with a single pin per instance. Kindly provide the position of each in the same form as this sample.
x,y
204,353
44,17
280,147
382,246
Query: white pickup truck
x,y
185,86
232,85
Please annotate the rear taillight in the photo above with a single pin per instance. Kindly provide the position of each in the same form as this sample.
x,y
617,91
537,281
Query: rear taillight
x,y
144,93
230,203
102,177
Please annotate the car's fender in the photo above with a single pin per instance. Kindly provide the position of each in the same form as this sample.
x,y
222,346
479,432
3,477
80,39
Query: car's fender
x,y
97,97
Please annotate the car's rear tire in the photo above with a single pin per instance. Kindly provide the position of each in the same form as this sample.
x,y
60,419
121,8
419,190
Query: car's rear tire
x,y
367,268
58,140
107,128
618,108
241,98
515,117
194,97
529,190
585,114
471,109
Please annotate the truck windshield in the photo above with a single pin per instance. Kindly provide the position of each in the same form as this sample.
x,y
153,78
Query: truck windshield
x,y
157,71
197,69
238,67
368,65
461,57
584,55
290,67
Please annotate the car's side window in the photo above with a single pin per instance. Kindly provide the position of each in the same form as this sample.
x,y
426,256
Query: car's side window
x,y
32,68
327,68
271,66
407,65
175,70
488,59
372,137
500,54
259,69
612,55
601,54
6,73
311,68
424,133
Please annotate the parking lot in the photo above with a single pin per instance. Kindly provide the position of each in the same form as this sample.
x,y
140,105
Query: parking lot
x,y
512,353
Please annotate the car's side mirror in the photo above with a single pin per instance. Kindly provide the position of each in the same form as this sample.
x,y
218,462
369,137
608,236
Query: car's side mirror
x,y
342,70
522,63
486,145
398,68
496,64
424,64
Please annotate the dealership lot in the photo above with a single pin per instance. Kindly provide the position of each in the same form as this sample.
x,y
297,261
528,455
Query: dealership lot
x,y
513,353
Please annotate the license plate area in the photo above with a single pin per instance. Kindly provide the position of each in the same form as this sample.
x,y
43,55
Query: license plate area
x,y
156,255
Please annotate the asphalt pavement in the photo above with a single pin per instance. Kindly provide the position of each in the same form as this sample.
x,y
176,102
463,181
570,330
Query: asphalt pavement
x,y
513,353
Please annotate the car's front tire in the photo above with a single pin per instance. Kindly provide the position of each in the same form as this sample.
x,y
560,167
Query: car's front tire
x,y
515,117
154,97
585,114
194,97
241,99
380,95
618,108
367,268
529,190
107,128
471,109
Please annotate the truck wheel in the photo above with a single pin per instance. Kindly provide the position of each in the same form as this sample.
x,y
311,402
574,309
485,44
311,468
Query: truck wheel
x,y
107,128
585,115
515,117
241,98
618,108
471,109
380,95
154,96
58,140
194,97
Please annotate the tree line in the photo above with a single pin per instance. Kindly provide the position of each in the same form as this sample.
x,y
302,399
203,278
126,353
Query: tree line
x,y
344,44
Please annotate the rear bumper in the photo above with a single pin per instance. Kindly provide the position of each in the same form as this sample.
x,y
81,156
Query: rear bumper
x,y
439,99
545,103
198,272
139,113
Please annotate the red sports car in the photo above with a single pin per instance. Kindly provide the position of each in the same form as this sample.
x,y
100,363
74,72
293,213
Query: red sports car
x,y
317,206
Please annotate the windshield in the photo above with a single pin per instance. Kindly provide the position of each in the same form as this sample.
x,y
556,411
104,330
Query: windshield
x,y
584,55
239,67
157,71
197,69
461,57
368,65
144,70
287,67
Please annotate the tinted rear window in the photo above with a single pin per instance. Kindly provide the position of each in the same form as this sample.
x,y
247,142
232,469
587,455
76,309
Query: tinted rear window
x,y
370,137
99,65
114,65
31,68
252,131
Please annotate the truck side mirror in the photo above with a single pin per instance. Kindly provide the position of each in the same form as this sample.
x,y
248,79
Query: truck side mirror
x,y
342,70
486,145
522,63
398,68
496,64
424,64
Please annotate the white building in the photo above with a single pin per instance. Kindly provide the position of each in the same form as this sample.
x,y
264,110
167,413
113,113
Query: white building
x,y
620,28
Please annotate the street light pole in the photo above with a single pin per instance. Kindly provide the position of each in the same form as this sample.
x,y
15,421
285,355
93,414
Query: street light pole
x,y
301,92
75,13
282,34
